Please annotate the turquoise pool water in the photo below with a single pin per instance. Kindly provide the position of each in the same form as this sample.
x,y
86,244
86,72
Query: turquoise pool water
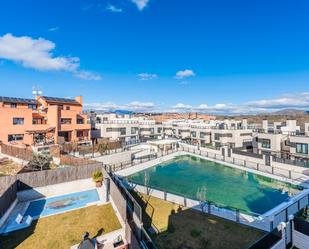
x,y
187,175
60,204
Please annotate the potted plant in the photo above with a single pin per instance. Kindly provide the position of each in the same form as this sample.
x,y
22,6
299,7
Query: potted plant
x,y
97,178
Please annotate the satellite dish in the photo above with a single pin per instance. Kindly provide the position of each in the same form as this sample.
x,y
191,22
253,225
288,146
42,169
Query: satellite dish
x,y
34,92
40,92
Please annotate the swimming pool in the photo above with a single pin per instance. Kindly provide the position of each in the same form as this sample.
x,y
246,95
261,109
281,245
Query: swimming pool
x,y
48,206
60,204
226,186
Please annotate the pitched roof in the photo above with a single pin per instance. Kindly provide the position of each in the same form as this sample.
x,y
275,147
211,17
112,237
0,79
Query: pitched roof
x,y
60,100
18,100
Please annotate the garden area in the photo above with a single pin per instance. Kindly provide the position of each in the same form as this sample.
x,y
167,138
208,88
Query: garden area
x,y
9,167
179,228
63,230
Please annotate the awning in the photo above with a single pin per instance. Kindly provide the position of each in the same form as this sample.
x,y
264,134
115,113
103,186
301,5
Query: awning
x,y
41,131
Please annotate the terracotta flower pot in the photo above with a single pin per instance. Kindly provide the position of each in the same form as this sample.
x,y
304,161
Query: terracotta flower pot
x,y
98,184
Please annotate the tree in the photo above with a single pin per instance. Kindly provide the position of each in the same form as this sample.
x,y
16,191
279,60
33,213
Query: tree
x,y
102,148
201,196
40,161
146,181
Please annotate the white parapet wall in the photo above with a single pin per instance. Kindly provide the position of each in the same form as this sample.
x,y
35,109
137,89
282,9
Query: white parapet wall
x,y
56,190
300,240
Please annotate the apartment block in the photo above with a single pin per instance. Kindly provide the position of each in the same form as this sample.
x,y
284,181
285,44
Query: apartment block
x,y
284,140
231,133
42,121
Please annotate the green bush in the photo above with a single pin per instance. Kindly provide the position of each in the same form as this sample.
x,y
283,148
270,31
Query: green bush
x,y
97,176
195,233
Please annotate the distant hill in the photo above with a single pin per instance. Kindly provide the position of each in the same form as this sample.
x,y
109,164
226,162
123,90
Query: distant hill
x,y
290,112
119,112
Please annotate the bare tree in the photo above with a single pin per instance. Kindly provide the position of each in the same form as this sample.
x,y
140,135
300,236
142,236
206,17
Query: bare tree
x,y
40,161
146,181
201,196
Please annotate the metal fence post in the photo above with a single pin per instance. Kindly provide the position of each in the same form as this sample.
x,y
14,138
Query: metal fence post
x,y
237,215
290,174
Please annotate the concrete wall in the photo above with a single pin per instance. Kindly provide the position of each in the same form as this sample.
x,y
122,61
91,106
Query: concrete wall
x,y
115,158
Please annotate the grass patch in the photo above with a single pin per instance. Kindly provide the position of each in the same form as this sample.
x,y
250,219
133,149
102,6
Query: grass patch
x,y
63,230
186,228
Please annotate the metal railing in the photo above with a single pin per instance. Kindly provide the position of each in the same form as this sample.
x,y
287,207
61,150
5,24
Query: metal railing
x,y
247,153
291,162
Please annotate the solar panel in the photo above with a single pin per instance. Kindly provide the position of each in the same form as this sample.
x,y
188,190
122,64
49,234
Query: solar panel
x,y
60,100
18,100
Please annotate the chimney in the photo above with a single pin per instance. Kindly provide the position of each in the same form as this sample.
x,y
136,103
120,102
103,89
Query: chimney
x,y
79,99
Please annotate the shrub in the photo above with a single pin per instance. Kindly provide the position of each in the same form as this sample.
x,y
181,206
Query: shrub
x,y
97,176
195,233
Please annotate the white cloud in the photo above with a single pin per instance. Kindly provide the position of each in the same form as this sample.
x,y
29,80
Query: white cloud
x,y
113,8
182,107
136,106
140,4
53,29
87,75
290,101
37,54
147,76
184,74
140,106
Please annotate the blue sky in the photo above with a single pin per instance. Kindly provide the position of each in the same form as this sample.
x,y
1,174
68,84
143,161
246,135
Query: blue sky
x,y
191,55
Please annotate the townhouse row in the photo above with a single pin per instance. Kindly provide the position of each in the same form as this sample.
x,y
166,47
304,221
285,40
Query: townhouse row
x,y
42,121
282,140
279,139
213,132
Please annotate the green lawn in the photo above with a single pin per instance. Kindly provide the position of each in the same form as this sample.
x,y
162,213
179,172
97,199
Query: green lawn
x,y
186,228
63,230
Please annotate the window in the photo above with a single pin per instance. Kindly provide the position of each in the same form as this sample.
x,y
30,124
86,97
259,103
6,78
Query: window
x,y
245,134
265,143
79,121
66,121
79,134
13,105
18,121
301,148
134,130
159,130
122,131
109,129
32,106
218,135
36,121
15,137
67,108
193,133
